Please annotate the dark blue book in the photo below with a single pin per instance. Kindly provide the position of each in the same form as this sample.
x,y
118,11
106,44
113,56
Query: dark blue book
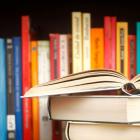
x,y
10,91
17,86
3,91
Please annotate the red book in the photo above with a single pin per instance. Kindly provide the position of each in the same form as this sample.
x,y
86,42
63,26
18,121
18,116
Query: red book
x,y
55,73
26,80
131,56
113,41
110,42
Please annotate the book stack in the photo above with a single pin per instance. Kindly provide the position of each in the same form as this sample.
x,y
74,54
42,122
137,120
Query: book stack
x,y
83,100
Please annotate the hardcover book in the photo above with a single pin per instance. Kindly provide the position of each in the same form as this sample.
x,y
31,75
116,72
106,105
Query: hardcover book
x,y
101,131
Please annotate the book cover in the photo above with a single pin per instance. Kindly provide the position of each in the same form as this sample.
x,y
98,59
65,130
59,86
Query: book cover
x,y
97,48
77,56
137,47
11,124
110,42
34,81
86,26
26,77
17,86
131,56
3,91
122,48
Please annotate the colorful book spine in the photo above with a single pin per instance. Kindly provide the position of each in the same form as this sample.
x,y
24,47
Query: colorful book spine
x,y
110,42
138,47
44,76
65,54
122,48
86,26
11,124
26,78
97,48
77,52
113,41
34,81
17,86
131,56
54,56
3,91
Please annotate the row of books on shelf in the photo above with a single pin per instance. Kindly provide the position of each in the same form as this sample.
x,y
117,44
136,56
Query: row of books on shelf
x,y
25,63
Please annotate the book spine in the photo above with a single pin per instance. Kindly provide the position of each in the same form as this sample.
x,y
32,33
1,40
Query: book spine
x,y
10,91
110,42
3,91
54,56
34,81
77,51
26,80
64,56
17,86
97,48
131,56
113,41
138,47
44,76
122,48
107,41
86,26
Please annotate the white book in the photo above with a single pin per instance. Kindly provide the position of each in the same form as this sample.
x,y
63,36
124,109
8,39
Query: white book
x,y
101,131
86,26
44,76
107,108
77,56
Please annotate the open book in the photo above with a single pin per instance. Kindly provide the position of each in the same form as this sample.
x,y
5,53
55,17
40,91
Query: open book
x,y
87,81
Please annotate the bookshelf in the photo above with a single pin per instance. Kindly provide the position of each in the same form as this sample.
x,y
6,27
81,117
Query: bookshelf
x,y
55,17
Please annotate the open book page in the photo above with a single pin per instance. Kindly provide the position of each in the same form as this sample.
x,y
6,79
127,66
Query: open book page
x,y
88,81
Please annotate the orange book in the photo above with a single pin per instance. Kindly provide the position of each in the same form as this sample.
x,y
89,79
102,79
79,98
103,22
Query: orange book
x,y
97,48
34,81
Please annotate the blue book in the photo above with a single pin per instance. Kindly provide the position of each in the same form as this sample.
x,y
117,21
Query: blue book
x,y
17,86
3,91
138,47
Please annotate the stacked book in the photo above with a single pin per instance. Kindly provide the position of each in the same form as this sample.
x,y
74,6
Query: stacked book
x,y
79,100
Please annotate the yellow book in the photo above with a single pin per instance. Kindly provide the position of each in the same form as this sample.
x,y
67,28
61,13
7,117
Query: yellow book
x,y
122,48
77,42
97,48
34,80
86,26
